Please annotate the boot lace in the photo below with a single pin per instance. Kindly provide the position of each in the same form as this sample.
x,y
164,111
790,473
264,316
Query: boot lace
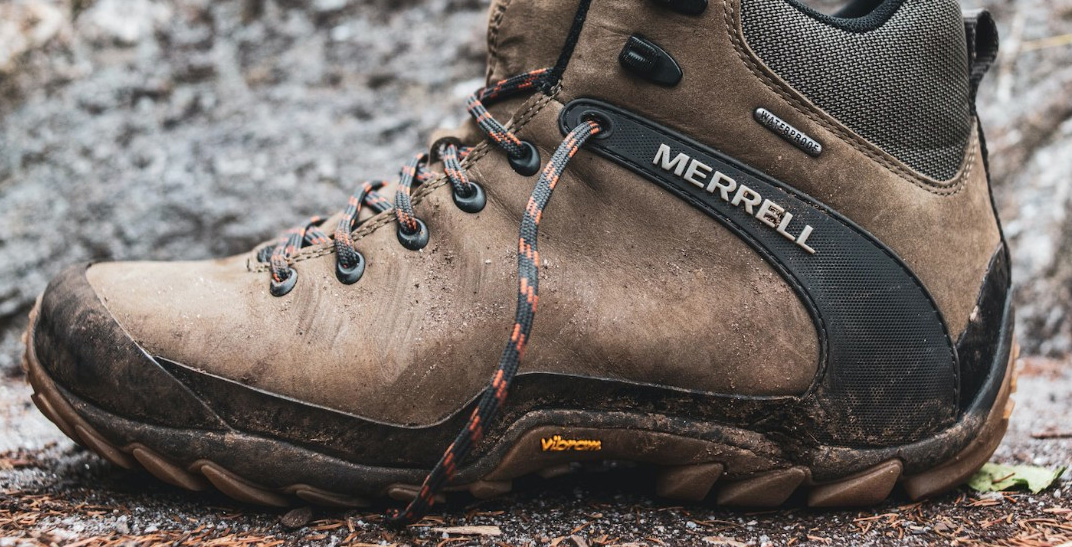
x,y
413,234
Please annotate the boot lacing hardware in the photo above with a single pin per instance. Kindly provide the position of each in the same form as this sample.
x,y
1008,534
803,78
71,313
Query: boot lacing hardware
x,y
412,232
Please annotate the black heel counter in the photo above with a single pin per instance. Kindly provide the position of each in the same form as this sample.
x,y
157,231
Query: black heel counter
x,y
978,346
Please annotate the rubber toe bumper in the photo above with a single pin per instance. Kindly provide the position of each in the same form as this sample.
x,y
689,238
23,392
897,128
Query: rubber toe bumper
x,y
88,353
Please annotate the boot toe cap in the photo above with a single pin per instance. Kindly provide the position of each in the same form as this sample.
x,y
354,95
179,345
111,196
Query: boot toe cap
x,y
84,349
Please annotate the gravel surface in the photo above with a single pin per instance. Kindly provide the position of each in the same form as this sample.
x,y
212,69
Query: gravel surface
x,y
188,129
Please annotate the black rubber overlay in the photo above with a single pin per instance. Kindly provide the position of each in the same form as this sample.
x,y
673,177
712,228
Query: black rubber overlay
x,y
81,346
978,346
888,370
688,7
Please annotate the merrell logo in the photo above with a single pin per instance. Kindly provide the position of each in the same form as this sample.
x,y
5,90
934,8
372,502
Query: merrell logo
x,y
703,176
558,444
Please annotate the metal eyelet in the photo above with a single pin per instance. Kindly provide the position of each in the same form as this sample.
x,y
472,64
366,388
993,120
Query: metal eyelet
x,y
351,275
416,240
281,288
528,163
474,202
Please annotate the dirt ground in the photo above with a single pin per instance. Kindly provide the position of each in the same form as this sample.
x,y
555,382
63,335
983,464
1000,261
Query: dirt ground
x,y
186,129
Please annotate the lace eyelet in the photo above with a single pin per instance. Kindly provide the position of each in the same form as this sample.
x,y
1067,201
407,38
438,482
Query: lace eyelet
x,y
474,202
527,164
351,275
416,240
606,126
281,288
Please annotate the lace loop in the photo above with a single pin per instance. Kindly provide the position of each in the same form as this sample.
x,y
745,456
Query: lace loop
x,y
452,156
407,220
346,253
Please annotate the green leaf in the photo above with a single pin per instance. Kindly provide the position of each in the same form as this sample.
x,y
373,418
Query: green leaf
x,y
995,477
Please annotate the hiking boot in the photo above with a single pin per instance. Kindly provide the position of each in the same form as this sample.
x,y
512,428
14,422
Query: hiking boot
x,y
772,265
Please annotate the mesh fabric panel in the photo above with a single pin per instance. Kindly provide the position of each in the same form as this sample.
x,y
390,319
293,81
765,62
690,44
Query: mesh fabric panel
x,y
900,82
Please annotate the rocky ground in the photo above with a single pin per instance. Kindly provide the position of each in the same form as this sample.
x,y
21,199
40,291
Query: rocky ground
x,y
196,128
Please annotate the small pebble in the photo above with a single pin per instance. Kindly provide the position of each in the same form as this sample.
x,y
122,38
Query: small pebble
x,y
297,518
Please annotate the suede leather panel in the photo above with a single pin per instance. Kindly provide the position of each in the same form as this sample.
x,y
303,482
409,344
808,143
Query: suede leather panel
x,y
635,285
944,231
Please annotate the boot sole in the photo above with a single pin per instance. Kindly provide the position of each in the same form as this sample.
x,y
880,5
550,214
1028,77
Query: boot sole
x,y
748,471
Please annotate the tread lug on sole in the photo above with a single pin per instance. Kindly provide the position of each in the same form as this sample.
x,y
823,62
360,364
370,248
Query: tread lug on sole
x,y
866,488
407,493
46,408
317,496
769,489
490,489
239,489
1009,407
555,471
104,448
62,414
954,473
168,472
687,482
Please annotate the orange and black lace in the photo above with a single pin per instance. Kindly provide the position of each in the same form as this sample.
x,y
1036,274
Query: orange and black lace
x,y
413,234
528,266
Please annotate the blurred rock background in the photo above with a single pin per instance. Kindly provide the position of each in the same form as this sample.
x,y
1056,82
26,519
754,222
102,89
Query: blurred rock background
x,y
186,129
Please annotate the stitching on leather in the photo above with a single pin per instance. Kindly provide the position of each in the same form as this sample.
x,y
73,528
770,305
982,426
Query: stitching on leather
x,y
813,113
371,225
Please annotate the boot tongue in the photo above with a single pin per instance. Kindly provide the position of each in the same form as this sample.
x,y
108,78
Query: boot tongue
x,y
523,35
526,35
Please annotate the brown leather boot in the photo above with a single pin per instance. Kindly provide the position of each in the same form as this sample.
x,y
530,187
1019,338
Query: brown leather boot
x,y
772,263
